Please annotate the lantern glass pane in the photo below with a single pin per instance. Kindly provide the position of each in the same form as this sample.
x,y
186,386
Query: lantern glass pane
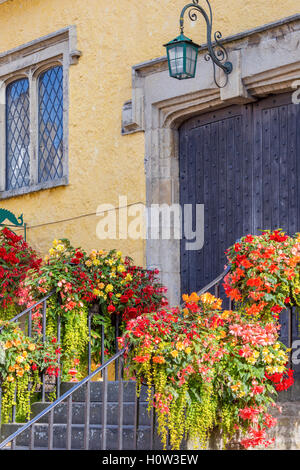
x,y
176,60
191,57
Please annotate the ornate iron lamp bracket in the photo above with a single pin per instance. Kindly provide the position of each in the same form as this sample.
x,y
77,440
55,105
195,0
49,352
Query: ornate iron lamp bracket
x,y
216,52
13,221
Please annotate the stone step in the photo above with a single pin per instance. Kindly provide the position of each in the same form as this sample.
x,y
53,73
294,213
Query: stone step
x,y
78,413
77,437
96,391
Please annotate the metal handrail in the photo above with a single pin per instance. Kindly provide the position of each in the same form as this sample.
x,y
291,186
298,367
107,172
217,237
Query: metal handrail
x,y
214,282
66,395
29,309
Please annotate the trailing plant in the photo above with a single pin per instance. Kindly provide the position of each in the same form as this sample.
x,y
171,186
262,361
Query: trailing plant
x,y
211,369
22,361
265,273
121,290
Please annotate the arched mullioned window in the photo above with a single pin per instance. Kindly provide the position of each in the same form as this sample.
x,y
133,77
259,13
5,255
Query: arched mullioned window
x,y
17,134
34,102
50,123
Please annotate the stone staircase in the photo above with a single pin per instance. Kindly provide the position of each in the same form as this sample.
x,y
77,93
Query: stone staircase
x,y
95,430
286,433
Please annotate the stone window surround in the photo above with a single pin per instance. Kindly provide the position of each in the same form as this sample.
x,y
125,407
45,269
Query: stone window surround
x,y
29,61
266,60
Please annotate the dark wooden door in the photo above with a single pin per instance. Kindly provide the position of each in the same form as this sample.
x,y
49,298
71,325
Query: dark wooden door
x,y
243,164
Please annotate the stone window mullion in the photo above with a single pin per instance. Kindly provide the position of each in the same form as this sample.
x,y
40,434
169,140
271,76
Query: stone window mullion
x,y
65,65
33,129
2,137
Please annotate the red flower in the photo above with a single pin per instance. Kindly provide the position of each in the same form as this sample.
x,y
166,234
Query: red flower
x,y
276,309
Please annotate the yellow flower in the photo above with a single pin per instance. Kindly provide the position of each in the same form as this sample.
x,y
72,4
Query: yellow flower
x,y
118,295
119,254
251,360
179,346
60,248
25,354
101,285
276,346
226,314
10,379
188,350
88,263
121,268
96,292
256,354
222,334
109,288
174,353
128,277
31,347
55,243
210,299
51,252
96,262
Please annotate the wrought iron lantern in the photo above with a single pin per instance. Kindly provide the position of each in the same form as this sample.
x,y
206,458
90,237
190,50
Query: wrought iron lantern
x,y
182,57
182,52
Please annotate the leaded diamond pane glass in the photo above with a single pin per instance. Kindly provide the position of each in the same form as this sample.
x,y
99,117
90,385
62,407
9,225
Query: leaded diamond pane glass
x,y
17,135
51,125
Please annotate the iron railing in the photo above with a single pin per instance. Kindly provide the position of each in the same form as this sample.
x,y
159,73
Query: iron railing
x,y
25,318
67,397
11,442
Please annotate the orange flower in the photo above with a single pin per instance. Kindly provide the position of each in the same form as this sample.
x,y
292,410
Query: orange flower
x,y
235,294
8,345
158,360
294,261
20,372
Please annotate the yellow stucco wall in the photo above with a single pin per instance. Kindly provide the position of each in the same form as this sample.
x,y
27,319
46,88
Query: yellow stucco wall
x,y
112,36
